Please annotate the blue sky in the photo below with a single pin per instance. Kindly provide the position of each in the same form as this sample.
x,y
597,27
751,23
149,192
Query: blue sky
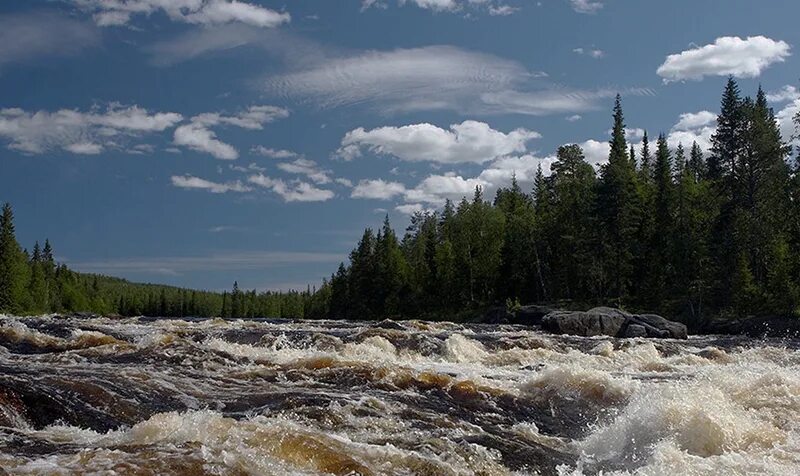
x,y
194,142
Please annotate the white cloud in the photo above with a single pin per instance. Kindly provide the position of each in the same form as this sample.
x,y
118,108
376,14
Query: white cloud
x,y
450,6
191,182
85,148
295,191
273,153
32,35
202,12
728,55
434,189
586,6
552,101
785,94
378,189
593,52
693,127
574,118
306,167
694,120
198,137
197,134
596,152
418,79
785,118
73,130
470,141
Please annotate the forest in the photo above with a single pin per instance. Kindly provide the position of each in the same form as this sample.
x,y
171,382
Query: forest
x,y
659,230
681,232
33,283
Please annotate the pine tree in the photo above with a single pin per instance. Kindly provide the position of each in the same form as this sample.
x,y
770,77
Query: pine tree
x,y
618,209
14,271
696,165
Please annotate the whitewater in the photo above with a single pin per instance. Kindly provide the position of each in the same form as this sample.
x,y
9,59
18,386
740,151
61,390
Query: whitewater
x,y
103,395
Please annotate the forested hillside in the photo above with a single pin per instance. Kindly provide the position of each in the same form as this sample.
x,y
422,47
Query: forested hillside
x,y
654,229
33,283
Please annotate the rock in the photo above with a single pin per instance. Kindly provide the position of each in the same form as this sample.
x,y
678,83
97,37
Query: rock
x,y
762,326
635,330
673,329
595,322
612,322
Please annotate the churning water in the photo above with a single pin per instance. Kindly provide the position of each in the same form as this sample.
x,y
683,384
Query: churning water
x,y
152,397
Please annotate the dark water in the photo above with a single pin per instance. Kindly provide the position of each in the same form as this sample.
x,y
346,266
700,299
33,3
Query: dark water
x,y
152,397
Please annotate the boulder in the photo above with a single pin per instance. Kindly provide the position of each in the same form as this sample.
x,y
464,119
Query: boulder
x,y
612,322
661,325
635,330
595,322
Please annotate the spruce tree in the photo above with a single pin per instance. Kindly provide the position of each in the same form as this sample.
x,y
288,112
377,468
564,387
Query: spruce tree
x,y
618,209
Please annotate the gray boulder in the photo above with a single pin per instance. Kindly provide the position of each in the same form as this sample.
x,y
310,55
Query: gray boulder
x,y
635,330
612,322
595,322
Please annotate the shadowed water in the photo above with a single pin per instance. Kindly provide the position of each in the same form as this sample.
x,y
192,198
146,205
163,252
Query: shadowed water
x,y
275,397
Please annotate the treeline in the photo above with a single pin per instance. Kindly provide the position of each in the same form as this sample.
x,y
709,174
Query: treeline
x,y
33,283
660,230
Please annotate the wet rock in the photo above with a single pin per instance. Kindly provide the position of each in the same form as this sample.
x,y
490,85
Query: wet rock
x,y
635,330
612,322
658,326
595,322
761,326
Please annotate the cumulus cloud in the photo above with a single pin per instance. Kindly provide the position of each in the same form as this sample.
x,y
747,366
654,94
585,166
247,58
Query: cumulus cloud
x,y
43,34
728,55
197,134
196,183
200,138
80,132
201,12
586,6
786,93
295,191
377,189
273,153
470,141
309,168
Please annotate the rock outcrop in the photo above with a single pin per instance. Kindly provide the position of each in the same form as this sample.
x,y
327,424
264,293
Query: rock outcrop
x,y
612,322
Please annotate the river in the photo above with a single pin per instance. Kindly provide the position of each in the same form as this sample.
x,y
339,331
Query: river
x,y
277,397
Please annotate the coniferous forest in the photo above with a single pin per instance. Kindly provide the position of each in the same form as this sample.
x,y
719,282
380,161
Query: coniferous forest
x,y
677,231
680,232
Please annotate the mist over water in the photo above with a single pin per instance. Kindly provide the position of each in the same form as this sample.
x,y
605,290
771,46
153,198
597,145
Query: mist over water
x,y
276,397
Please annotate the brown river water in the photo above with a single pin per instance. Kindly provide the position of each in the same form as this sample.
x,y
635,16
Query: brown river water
x,y
141,396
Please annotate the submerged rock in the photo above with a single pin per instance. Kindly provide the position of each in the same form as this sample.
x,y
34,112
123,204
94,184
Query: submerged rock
x,y
612,322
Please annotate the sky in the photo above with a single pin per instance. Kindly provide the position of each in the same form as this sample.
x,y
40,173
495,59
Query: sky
x,y
198,142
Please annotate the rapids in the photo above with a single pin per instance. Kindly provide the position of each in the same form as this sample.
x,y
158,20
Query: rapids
x,y
275,397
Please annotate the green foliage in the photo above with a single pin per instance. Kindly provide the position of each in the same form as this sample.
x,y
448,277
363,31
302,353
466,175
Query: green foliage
x,y
691,237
